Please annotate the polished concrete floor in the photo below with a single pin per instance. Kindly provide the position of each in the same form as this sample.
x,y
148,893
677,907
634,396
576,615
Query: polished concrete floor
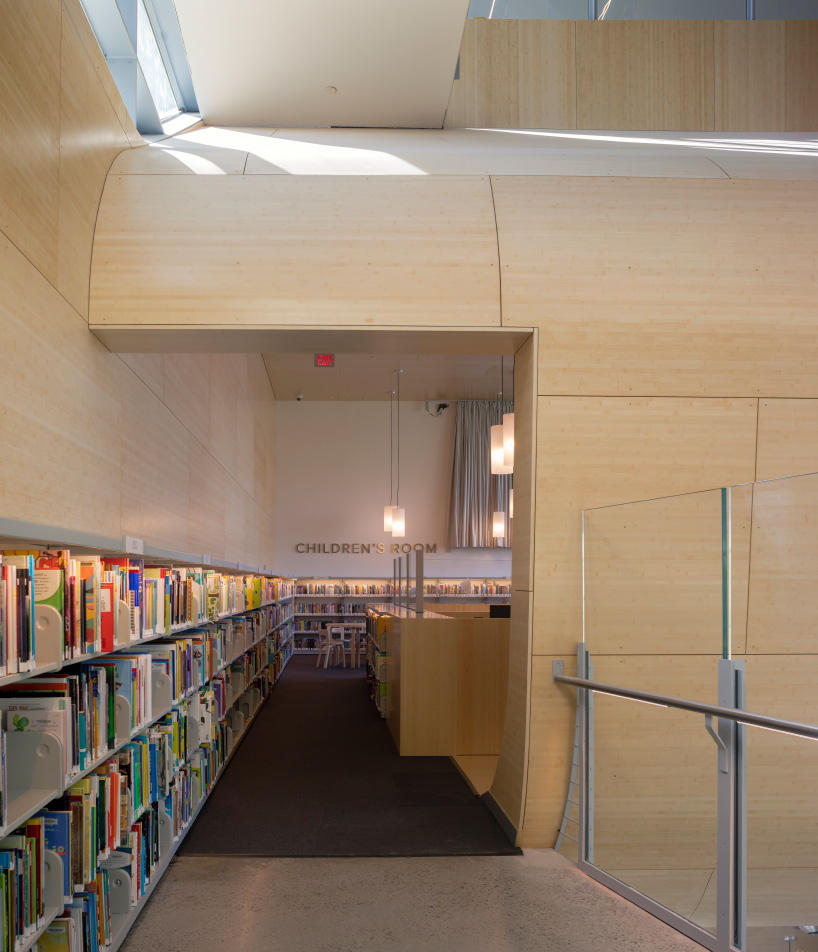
x,y
538,901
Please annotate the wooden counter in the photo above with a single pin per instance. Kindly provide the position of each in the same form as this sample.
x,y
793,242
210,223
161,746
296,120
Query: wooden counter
x,y
447,682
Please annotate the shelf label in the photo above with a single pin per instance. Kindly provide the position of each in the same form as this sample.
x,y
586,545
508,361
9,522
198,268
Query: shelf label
x,y
133,545
206,559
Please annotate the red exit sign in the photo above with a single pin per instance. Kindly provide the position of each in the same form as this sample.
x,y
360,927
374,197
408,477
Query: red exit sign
x,y
325,360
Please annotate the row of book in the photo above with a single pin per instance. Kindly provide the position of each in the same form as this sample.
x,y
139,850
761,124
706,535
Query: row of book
x,y
343,588
330,608
110,820
76,600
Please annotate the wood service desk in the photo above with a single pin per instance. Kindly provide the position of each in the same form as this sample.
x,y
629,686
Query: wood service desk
x,y
446,678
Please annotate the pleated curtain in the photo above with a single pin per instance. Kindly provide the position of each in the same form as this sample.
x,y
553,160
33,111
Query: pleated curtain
x,y
476,494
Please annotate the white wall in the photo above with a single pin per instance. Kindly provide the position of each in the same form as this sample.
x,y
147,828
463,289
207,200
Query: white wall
x,y
332,482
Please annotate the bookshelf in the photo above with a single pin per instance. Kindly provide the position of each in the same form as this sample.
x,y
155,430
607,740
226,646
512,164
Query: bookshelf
x,y
318,602
485,590
139,678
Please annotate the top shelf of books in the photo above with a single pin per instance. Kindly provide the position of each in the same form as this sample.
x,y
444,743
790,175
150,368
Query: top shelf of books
x,y
58,608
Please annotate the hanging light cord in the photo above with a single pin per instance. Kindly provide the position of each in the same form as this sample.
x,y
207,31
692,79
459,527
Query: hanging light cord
x,y
391,450
397,498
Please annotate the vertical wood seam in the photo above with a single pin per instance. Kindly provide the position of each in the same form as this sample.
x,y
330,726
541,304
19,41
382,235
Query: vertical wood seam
x,y
499,264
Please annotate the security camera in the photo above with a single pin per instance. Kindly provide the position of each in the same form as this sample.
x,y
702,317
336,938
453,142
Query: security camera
x,y
299,397
442,406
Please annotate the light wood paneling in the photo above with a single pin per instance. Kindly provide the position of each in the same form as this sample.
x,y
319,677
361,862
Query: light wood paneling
x,y
30,120
750,75
207,502
90,139
244,464
525,469
302,250
783,567
180,158
155,468
658,287
653,576
509,785
515,74
73,9
59,391
598,452
802,78
787,438
186,392
234,521
482,681
549,753
150,368
478,771
655,769
645,74
428,672
223,411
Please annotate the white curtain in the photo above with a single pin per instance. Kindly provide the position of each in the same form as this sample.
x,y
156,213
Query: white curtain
x,y
476,494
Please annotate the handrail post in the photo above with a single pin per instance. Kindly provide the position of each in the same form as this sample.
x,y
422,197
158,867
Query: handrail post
x,y
731,879
585,669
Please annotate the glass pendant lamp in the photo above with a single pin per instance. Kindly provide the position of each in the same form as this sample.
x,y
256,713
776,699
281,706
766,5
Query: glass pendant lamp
x,y
498,526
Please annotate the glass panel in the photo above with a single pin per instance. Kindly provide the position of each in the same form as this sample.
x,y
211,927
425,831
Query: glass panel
x,y
653,581
782,837
671,9
786,10
153,67
530,9
655,795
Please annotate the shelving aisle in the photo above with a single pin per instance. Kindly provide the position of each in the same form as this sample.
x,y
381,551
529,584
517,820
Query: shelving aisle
x,y
319,775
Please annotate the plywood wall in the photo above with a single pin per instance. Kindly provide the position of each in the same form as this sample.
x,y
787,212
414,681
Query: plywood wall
x,y
174,449
639,74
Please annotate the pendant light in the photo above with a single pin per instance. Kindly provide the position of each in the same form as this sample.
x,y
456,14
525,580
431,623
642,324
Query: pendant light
x,y
387,510
398,514
498,526
508,430
511,503
498,464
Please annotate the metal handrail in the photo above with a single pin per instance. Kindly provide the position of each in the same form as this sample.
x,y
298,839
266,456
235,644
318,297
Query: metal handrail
x,y
711,710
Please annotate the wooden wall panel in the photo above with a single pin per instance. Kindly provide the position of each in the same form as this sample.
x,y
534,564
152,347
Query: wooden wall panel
x,y
515,74
653,576
750,75
509,785
300,250
207,501
428,714
155,468
604,451
150,368
553,715
223,411
90,138
186,392
482,679
645,74
73,9
663,287
30,120
59,393
235,529
245,441
802,78
787,438
655,768
621,74
525,475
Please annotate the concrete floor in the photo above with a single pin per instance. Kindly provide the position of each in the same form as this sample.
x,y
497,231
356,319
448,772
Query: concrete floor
x,y
538,901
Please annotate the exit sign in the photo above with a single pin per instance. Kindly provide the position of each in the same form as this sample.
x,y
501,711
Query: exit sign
x,y
325,360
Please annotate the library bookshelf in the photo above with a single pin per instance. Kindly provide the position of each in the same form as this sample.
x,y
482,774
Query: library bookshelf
x,y
320,602
137,693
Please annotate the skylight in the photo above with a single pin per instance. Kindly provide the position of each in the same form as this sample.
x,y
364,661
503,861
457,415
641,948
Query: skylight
x,y
153,66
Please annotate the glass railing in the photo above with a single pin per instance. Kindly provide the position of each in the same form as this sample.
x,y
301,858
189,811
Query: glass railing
x,y
704,600
644,9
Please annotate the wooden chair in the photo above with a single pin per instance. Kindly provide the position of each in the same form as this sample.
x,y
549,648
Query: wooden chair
x,y
358,647
335,642
323,646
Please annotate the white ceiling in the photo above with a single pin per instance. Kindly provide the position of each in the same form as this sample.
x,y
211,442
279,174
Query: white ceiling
x,y
266,62
373,377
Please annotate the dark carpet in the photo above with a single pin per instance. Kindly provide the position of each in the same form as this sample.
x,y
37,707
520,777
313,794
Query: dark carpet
x,y
318,774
